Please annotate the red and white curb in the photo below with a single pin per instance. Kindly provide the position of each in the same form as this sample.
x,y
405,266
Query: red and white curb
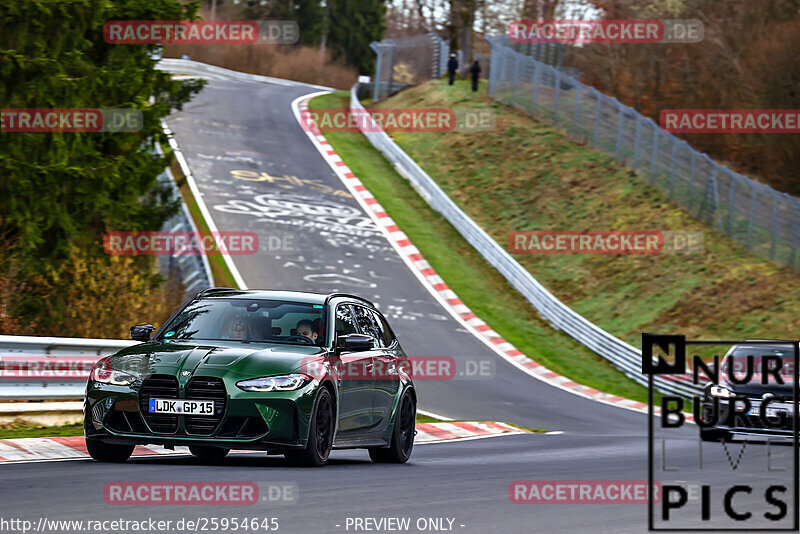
x,y
434,283
24,450
463,430
63,448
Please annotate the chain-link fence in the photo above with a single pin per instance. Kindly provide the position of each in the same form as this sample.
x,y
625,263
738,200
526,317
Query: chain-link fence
x,y
752,214
407,61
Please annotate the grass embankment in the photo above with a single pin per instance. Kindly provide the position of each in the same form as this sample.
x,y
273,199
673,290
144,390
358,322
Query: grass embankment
x,y
219,269
478,284
525,175
28,429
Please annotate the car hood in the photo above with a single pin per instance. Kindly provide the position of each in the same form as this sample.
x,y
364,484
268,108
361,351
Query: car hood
x,y
219,357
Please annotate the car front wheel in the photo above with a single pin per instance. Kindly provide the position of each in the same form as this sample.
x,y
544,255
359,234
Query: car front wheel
x,y
399,450
320,435
108,452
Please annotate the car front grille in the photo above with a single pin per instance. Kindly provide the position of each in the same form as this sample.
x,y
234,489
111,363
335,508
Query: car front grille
x,y
205,388
160,387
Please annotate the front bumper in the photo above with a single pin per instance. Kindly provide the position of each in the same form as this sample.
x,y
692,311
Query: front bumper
x,y
751,424
244,420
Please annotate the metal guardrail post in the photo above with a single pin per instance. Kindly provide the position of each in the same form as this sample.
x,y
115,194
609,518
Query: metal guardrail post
x,y
774,226
376,86
654,161
577,109
557,75
620,123
537,74
637,138
751,222
731,207
516,78
672,166
597,96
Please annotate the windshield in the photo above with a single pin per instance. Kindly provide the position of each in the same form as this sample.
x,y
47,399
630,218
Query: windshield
x,y
249,320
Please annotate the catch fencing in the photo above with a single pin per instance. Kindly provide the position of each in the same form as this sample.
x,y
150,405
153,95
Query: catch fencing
x,y
404,61
622,355
754,215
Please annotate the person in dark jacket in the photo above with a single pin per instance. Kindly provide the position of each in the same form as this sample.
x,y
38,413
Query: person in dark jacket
x,y
452,67
475,71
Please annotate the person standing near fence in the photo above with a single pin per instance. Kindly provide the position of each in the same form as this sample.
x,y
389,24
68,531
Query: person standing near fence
x,y
452,67
475,71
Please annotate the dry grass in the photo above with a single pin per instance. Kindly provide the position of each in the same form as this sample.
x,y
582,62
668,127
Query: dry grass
x,y
299,63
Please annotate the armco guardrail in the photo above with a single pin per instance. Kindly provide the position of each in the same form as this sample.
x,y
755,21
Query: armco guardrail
x,y
622,355
34,368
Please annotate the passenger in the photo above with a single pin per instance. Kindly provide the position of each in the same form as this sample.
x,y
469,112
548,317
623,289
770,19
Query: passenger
x,y
237,328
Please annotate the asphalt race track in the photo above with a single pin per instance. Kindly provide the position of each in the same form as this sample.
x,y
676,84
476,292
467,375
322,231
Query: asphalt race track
x,y
258,172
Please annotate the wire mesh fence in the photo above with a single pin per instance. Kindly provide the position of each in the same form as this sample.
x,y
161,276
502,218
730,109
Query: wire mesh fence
x,y
762,219
406,61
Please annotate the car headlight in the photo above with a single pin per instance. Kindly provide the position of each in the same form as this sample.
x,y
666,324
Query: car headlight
x,y
275,383
720,391
103,373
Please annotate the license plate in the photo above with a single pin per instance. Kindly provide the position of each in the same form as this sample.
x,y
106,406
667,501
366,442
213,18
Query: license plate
x,y
771,412
178,407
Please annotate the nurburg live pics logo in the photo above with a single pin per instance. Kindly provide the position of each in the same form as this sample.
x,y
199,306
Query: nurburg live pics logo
x,y
736,496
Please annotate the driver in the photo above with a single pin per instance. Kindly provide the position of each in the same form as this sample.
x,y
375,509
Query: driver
x,y
306,329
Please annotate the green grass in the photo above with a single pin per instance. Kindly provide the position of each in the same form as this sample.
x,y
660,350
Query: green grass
x,y
478,284
427,419
27,429
219,269
525,175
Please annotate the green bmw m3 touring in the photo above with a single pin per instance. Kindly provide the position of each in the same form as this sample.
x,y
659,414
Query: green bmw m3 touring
x,y
291,373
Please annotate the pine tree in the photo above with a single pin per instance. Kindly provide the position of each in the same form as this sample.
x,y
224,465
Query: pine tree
x,y
64,190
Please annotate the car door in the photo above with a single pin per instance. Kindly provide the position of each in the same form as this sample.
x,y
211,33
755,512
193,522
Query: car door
x,y
385,380
355,387
385,367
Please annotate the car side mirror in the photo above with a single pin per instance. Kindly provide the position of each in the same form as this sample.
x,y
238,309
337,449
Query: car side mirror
x,y
354,342
142,332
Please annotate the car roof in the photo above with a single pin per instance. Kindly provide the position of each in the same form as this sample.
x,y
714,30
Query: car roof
x,y
266,294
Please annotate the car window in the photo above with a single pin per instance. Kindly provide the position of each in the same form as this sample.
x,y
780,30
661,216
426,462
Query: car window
x,y
369,325
386,331
345,324
245,320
